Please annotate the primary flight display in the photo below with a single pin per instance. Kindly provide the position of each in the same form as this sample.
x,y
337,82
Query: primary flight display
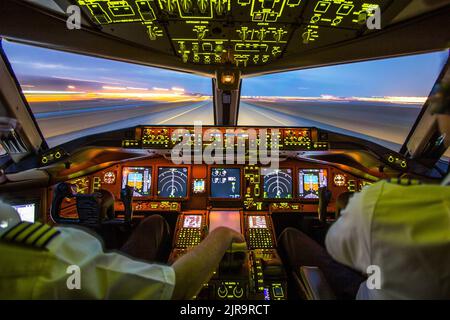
x,y
139,178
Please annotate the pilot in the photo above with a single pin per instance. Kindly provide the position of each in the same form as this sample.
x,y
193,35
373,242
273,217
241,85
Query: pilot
x,y
43,262
391,242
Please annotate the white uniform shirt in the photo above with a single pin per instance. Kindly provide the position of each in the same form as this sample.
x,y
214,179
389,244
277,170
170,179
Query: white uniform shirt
x,y
405,231
30,273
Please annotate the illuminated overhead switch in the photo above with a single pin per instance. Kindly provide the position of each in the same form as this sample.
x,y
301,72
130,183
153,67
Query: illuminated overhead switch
x,y
293,3
154,32
336,21
145,10
186,5
244,2
345,9
218,49
261,34
202,5
220,7
207,47
315,18
120,8
201,32
168,5
310,35
99,14
272,17
278,34
322,7
258,17
243,33
276,51
185,56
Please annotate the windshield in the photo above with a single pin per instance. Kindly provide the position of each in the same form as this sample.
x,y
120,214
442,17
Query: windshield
x,y
376,100
73,95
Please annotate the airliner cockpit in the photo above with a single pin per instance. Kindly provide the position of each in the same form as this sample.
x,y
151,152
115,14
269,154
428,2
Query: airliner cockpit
x,y
224,149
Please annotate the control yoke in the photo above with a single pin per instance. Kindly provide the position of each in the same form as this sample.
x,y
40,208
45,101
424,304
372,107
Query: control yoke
x,y
62,190
126,196
324,199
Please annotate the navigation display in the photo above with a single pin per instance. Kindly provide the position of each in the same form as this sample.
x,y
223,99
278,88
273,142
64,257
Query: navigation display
x,y
257,222
309,181
26,212
277,183
172,182
226,183
139,178
192,221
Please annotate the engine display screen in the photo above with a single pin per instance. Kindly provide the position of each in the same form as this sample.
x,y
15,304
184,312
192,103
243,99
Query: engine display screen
x,y
27,212
257,222
139,178
172,182
226,183
309,181
192,221
199,186
277,183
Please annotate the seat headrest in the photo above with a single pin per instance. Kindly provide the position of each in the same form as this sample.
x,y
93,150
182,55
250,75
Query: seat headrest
x,y
94,208
342,202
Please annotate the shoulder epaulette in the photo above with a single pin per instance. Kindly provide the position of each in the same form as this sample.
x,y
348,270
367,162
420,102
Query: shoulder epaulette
x,y
405,181
36,235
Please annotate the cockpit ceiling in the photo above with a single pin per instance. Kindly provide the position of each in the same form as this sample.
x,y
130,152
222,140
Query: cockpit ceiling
x,y
243,33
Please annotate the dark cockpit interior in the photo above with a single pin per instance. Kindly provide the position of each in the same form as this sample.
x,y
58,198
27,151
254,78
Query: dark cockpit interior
x,y
109,181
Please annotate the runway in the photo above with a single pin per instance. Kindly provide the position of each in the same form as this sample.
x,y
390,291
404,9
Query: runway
x,y
386,124
64,124
382,123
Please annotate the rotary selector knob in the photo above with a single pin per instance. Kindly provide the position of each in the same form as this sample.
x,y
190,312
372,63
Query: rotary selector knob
x,y
222,291
238,292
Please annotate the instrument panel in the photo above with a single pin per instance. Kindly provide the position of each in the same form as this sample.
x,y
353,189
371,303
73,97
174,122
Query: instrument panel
x,y
295,139
159,185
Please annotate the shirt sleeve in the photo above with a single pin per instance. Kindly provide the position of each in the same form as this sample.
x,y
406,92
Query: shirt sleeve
x,y
102,275
348,239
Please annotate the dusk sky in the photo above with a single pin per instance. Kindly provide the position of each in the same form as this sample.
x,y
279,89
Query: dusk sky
x,y
405,76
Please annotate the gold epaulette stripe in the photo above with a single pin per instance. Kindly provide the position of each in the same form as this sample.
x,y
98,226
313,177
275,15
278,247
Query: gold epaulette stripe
x,y
27,232
37,235
46,238
10,234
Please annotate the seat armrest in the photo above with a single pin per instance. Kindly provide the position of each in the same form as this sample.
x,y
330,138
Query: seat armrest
x,y
314,285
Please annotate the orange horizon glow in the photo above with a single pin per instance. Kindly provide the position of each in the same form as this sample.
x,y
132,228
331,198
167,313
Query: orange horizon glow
x,y
179,95
387,99
49,96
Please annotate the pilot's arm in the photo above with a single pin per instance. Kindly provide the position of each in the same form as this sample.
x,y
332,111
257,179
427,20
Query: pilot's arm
x,y
41,262
196,267
348,239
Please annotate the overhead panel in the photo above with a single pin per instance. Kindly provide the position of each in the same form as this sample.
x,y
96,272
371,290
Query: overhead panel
x,y
239,32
